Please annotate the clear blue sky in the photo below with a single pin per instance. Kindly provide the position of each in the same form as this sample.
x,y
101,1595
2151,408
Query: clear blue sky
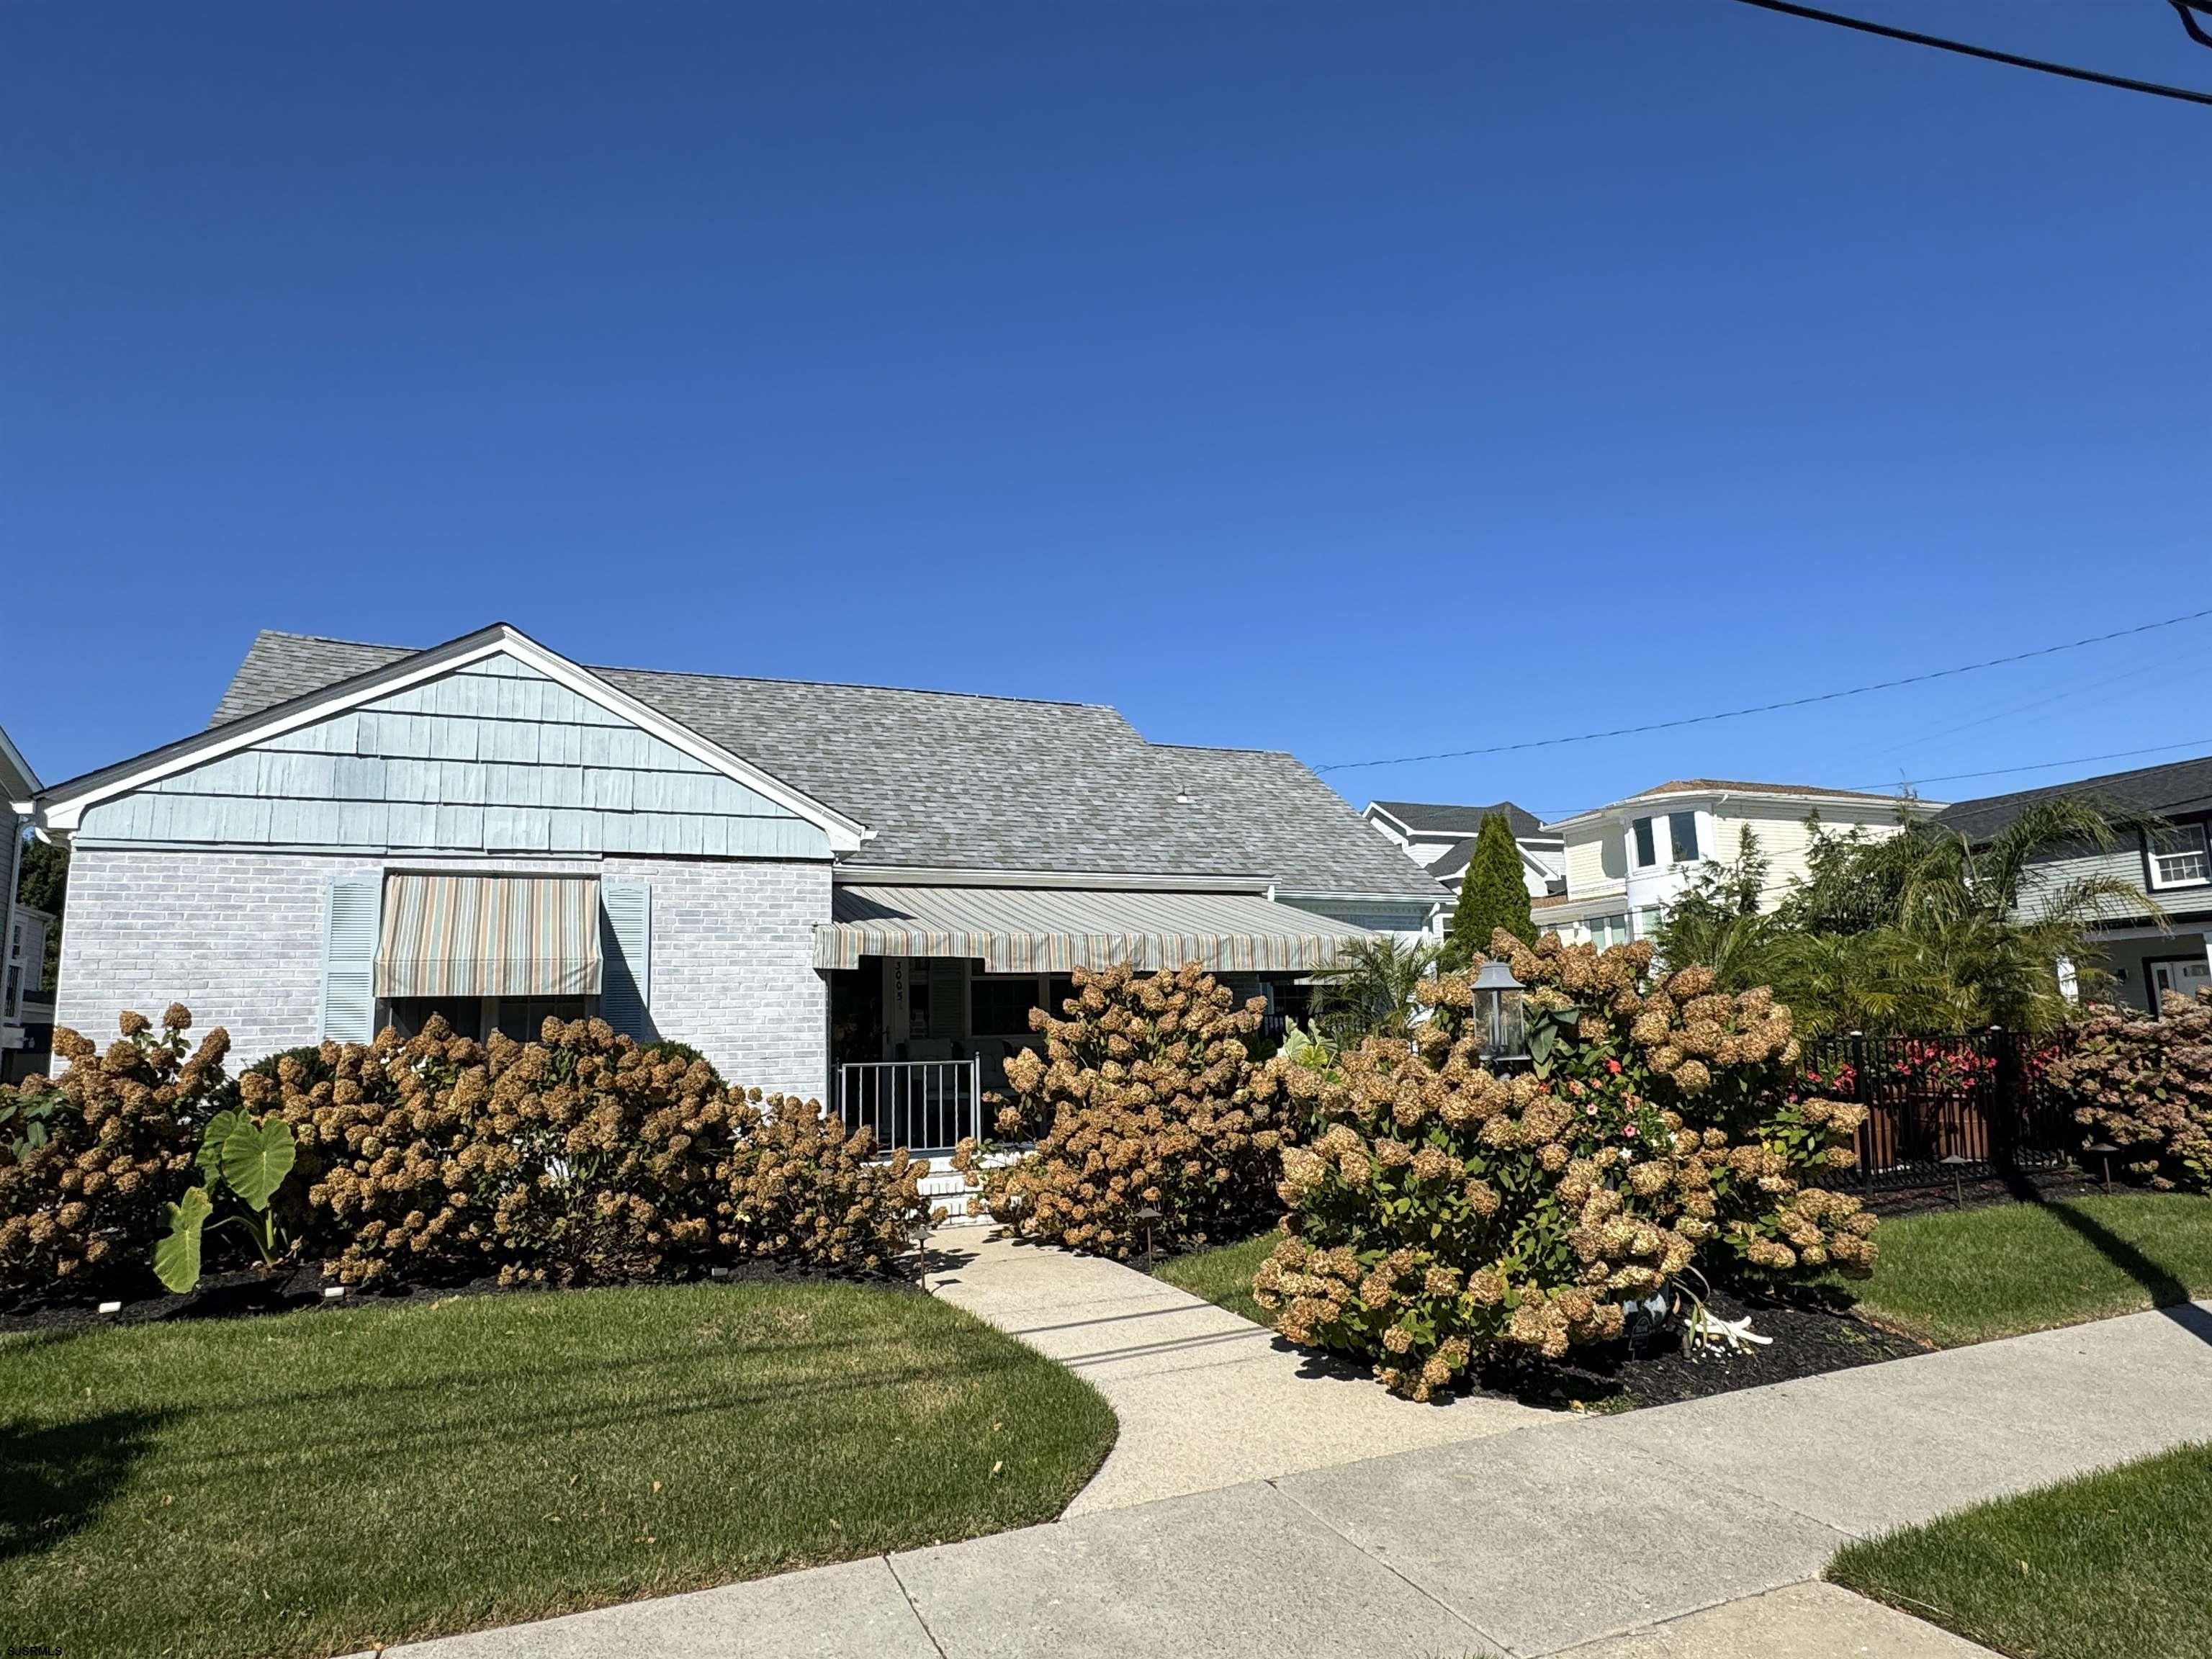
x,y
1358,380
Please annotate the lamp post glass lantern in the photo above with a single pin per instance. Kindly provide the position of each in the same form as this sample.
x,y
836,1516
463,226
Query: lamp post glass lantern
x,y
1503,1021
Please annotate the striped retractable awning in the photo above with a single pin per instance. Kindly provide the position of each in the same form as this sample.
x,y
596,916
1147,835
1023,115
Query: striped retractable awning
x,y
1018,930
488,936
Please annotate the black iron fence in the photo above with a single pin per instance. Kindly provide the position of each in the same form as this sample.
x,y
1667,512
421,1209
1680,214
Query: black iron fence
x,y
1947,1109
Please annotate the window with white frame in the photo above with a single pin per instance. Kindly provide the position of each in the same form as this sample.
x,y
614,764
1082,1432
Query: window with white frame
x,y
1647,843
1607,931
1682,839
2177,857
1649,920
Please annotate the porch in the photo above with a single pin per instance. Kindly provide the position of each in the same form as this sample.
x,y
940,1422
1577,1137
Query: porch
x,y
919,1045
932,985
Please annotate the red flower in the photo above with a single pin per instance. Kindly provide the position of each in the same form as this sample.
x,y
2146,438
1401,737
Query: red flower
x,y
1613,1067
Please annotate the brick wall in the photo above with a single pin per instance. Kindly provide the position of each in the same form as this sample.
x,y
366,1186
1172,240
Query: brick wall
x,y
237,937
733,964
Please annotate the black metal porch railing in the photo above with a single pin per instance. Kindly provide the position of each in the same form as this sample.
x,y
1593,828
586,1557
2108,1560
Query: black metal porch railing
x,y
923,1105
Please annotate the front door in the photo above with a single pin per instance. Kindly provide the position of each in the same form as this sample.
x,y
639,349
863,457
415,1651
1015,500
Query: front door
x,y
2182,976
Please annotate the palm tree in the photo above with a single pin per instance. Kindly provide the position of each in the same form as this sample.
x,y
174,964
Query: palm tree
x,y
1369,991
1930,930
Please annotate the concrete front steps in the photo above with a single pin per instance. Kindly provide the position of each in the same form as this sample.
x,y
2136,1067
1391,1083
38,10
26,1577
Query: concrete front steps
x,y
945,1187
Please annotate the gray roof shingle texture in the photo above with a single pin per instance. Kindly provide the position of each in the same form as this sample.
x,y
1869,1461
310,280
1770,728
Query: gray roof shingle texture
x,y
1441,818
2177,788
960,781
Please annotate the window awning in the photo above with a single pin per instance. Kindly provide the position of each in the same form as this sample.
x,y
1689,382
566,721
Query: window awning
x,y
488,936
1018,930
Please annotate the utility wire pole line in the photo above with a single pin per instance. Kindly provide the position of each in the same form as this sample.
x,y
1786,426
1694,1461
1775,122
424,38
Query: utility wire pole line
x,y
1990,54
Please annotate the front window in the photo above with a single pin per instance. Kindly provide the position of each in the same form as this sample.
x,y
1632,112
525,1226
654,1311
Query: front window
x,y
1682,836
1647,847
1608,931
1000,1006
2177,857
1647,921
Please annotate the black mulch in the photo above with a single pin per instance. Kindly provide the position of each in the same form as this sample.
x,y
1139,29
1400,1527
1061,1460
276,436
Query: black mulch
x,y
250,1291
2024,1186
1810,1337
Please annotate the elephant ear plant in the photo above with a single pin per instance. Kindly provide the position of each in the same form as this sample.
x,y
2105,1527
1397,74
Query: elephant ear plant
x,y
246,1158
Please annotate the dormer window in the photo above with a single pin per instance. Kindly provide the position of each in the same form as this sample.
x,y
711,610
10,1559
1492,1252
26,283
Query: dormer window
x,y
2177,857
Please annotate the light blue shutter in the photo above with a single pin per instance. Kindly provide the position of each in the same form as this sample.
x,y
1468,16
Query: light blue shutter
x,y
626,958
350,918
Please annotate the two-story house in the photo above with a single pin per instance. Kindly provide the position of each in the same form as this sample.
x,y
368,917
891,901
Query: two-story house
x,y
2149,962
1440,838
1626,861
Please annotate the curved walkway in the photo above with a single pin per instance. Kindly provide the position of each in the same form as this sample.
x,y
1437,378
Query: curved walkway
x,y
1206,1399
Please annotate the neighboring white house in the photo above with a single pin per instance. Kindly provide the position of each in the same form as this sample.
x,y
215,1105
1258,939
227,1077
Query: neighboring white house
x,y
781,874
1627,861
1440,838
2149,961
23,930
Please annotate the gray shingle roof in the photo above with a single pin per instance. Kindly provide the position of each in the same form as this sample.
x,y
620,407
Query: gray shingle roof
x,y
1438,819
957,781
2177,787
1449,867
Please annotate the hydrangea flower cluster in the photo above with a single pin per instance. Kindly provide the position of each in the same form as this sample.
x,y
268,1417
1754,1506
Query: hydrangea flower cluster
x,y
2145,1084
1146,1097
114,1139
1446,1211
577,1158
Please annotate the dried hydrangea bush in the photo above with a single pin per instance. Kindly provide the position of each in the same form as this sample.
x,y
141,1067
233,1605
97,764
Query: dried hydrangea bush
x,y
2145,1084
1146,1097
115,1138
798,1186
1445,1213
580,1158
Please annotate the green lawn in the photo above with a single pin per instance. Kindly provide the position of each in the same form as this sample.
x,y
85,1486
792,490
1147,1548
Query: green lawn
x,y
1223,1275
2112,1565
1961,1276
312,1482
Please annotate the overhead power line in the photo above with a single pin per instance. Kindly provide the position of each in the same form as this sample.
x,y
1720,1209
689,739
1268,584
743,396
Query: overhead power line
x,y
2041,766
1773,707
1967,49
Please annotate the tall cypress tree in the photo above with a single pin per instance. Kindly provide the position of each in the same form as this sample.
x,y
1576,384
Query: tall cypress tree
x,y
1491,895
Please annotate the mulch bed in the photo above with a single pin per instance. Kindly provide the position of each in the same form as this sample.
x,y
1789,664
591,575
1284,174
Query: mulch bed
x,y
1810,1338
249,1292
2023,1186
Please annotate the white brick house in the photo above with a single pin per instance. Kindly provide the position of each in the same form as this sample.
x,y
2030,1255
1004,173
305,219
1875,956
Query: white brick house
x,y
777,873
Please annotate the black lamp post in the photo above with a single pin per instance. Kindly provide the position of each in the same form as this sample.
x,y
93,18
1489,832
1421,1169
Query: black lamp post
x,y
1957,1166
1503,1027
1148,1215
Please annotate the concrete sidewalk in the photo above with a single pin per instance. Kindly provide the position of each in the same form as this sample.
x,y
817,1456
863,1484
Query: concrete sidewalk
x,y
1684,1532
1205,1399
